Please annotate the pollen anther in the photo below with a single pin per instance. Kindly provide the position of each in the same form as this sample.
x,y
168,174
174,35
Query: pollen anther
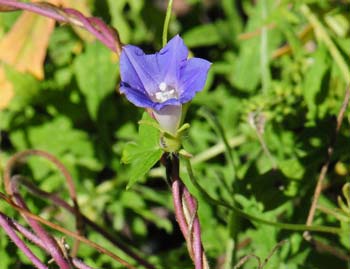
x,y
165,92
163,86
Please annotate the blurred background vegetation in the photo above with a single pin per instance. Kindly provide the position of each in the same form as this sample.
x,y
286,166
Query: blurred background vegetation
x,y
278,80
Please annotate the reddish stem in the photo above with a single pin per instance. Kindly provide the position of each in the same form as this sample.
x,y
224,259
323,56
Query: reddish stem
x,y
5,223
49,242
10,226
61,203
197,242
95,26
184,201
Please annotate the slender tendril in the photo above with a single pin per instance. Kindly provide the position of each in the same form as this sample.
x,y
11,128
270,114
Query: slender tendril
x,y
221,132
233,217
167,22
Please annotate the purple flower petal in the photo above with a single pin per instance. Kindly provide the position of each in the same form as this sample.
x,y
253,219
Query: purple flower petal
x,y
137,97
193,77
170,102
171,59
138,69
141,99
162,79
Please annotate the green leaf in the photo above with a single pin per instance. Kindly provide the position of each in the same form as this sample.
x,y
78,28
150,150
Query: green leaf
x,y
5,256
119,20
26,88
205,35
344,237
345,206
250,67
314,90
96,73
143,154
346,193
292,168
232,13
72,146
127,16
62,45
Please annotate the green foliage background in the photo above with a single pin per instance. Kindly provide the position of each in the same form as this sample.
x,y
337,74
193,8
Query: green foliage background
x,y
276,110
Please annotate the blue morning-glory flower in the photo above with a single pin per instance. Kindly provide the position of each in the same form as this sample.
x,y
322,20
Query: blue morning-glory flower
x,y
162,81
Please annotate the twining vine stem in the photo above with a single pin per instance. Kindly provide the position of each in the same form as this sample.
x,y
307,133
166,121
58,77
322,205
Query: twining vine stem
x,y
185,210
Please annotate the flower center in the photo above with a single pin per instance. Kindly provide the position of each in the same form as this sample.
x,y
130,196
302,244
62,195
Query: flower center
x,y
165,93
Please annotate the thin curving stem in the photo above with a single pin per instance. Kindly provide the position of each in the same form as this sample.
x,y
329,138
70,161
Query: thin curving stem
x,y
5,223
13,225
107,35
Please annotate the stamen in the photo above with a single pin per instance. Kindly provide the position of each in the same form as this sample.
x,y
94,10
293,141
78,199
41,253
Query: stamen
x,y
165,92
163,86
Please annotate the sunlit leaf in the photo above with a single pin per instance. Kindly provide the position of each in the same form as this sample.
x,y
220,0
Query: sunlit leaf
x,y
143,154
315,83
96,73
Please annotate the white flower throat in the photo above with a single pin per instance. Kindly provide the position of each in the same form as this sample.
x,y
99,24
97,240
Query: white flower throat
x,y
165,92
